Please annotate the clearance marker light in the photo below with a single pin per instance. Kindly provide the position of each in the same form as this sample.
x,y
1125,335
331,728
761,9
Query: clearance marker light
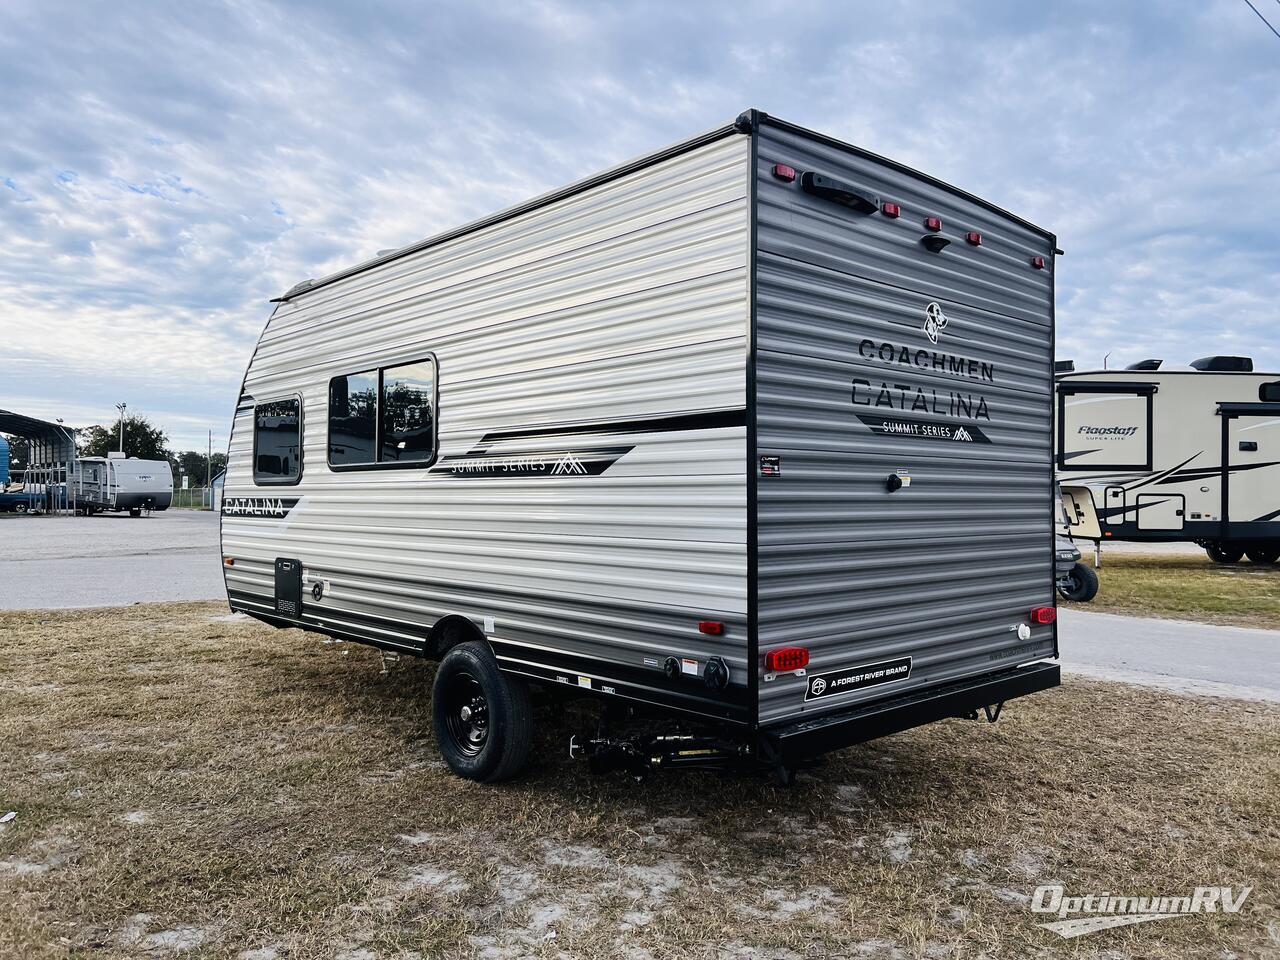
x,y
1038,262
933,224
711,627
892,210
974,238
784,172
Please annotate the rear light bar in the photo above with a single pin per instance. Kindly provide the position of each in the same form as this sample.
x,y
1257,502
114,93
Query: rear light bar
x,y
1044,614
711,627
786,659
784,172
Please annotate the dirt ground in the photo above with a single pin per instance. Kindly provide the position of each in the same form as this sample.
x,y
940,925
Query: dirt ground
x,y
189,784
1186,587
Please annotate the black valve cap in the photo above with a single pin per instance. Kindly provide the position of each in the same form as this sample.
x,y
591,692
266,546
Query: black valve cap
x,y
893,483
716,674
671,668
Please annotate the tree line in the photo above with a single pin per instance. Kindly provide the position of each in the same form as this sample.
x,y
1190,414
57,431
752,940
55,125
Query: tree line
x,y
142,439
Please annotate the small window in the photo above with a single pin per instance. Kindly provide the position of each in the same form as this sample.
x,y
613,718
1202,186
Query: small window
x,y
408,412
277,441
353,418
383,417
1269,392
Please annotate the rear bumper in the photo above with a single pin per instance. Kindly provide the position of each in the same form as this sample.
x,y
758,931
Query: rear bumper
x,y
805,739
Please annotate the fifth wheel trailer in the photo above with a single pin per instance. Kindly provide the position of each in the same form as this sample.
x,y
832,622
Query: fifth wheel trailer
x,y
1157,455
752,435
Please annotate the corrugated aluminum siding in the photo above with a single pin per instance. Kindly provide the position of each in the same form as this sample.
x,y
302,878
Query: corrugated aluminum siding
x,y
943,570
627,300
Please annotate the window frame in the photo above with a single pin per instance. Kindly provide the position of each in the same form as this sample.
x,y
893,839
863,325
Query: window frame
x,y
279,481
1262,391
377,420
1141,390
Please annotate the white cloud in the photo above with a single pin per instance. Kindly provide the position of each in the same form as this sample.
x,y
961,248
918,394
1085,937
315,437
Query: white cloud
x,y
164,174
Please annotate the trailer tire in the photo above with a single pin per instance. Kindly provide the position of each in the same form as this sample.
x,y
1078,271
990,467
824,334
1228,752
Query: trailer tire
x,y
135,511
483,718
1080,585
1263,555
1224,552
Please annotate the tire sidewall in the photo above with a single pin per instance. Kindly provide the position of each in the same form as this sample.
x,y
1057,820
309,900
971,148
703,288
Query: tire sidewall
x,y
474,658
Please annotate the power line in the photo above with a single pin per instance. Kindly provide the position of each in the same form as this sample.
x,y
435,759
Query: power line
x,y
1263,19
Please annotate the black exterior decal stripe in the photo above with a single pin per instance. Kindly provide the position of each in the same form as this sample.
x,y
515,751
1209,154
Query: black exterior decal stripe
x,y
712,420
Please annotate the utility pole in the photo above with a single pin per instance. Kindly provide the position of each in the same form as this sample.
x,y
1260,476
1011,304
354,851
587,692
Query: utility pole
x,y
121,407
208,471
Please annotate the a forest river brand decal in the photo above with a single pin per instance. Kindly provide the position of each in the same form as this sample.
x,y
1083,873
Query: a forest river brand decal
x,y
857,678
902,409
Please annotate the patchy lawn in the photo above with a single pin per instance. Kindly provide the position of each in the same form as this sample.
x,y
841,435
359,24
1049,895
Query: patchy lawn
x,y
189,783
1181,587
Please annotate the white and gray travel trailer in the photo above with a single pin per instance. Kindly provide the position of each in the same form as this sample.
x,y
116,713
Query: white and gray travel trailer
x,y
118,483
755,432
1153,454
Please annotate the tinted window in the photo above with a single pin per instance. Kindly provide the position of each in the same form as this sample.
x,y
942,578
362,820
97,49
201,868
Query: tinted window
x,y
277,441
1269,392
353,418
408,411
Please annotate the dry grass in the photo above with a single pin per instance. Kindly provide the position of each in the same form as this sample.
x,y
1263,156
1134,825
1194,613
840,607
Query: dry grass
x,y
186,782
1182,587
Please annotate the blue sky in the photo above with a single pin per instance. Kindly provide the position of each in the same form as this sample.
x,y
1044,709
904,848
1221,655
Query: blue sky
x,y
166,169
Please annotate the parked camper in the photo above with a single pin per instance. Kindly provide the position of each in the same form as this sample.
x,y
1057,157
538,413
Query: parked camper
x,y
1157,455
753,433
117,483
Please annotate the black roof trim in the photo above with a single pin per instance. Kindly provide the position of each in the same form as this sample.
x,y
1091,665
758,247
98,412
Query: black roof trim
x,y
903,168
579,186
1066,386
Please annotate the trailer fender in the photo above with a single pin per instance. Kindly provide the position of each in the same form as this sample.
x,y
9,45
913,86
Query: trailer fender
x,y
448,632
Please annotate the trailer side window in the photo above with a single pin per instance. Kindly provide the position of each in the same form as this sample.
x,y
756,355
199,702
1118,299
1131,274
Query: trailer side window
x,y
277,441
384,417
408,411
353,418
1270,392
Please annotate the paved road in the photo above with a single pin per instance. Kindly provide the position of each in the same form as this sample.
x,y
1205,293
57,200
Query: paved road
x,y
1176,655
108,560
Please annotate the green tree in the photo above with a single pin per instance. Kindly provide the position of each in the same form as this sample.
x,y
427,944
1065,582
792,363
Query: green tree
x,y
141,439
195,464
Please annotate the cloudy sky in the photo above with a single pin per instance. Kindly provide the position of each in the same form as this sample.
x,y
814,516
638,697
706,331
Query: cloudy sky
x,y
166,169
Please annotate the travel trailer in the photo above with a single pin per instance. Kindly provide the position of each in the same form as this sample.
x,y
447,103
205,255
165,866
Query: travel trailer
x,y
1156,454
116,483
751,437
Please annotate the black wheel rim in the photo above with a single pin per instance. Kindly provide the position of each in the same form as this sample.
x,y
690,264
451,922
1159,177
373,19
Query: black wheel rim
x,y
467,714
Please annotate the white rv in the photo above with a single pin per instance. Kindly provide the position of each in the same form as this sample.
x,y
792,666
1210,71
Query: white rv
x,y
1155,454
119,483
709,435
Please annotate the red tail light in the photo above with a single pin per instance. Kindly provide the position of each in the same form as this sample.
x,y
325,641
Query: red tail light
x,y
783,172
973,237
712,627
785,659
892,210
1038,262
1044,614
933,224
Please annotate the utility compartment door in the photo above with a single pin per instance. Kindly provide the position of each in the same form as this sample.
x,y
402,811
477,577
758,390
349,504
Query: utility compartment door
x,y
1160,511
904,407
